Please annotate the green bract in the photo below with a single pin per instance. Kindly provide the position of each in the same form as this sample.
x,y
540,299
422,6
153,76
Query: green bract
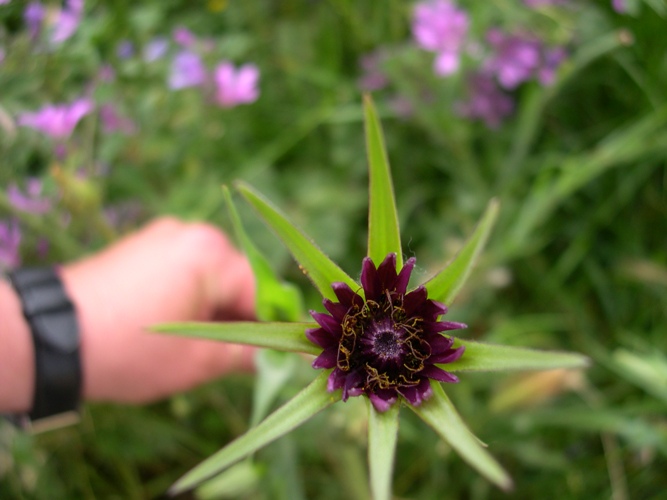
x,y
384,238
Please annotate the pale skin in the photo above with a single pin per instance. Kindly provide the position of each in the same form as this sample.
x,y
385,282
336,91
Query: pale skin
x,y
168,271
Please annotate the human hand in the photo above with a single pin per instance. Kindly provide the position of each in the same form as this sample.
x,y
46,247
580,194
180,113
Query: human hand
x,y
168,271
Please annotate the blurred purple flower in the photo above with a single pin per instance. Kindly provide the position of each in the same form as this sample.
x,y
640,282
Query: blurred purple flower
x,y
184,37
112,121
619,6
187,70
515,58
31,201
372,78
107,73
236,86
57,121
68,21
10,242
540,3
439,26
4,2
155,49
125,49
551,59
486,101
33,15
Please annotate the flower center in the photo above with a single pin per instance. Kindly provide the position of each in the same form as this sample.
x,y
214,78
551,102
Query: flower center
x,y
387,345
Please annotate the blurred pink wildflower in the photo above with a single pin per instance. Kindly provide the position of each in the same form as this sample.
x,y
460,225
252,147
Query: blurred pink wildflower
x,y
33,15
57,121
236,86
31,200
184,37
187,70
439,26
372,77
67,22
112,121
486,101
619,6
10,242
515,58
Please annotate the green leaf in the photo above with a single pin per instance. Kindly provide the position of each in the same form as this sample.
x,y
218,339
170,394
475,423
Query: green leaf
x,y
275,300
321,270
488,357
382,433
296,411
274,370
445,285
383,232
279,336
439,413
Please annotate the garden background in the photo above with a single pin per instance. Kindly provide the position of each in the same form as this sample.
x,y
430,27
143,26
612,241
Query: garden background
x,y
114,112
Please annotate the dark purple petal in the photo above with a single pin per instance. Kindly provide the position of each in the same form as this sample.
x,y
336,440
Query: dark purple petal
x,y
415,394
382,400
336,380
327,359
336,309
442,326
346,295
439,343
448,356
353,381
387,273
432,371
321,337
404,276
414,300
327,322
369,280
431,309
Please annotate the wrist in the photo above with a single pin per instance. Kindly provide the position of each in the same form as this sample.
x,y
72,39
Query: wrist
x,y
17,362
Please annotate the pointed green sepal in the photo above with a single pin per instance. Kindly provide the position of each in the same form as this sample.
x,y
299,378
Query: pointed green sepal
x,y
383,232
275,300
296,411
279,336
439,413
489,357
382,434
446,285
321,270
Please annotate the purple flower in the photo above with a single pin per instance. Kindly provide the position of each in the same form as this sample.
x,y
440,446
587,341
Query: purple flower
x,y
541,3
184,37
112,121
439,26
551,60
486,101
187,70
4,2
33,16
125,49
236,86
155,49
68,21
10,242
57,121
387,343
619,6
515,58
372,77
31,201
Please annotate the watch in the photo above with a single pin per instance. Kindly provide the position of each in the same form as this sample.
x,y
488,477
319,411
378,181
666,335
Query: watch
x,y
53,324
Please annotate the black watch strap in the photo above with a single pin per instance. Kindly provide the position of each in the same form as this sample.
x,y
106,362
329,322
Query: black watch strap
x,y
55,332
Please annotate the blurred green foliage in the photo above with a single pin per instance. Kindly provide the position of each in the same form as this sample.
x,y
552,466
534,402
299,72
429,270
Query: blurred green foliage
x,y
578,260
